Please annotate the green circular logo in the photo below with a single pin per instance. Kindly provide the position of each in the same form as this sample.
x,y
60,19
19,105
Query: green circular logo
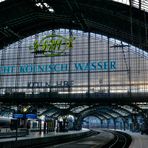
x,y
53,45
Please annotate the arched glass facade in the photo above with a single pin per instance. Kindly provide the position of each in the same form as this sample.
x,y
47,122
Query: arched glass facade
x,y
96,65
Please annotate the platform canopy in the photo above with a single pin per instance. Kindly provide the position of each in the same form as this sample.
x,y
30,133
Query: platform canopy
x,y
80,111
124,21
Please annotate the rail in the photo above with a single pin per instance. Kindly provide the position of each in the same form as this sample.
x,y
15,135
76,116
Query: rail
x,y
121,140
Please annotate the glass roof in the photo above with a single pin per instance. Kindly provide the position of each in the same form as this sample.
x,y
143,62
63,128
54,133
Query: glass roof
x,y
2,1
79,109
135,3
61,105
143,105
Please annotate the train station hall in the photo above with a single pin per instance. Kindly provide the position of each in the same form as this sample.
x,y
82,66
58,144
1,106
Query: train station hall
x,y
73,74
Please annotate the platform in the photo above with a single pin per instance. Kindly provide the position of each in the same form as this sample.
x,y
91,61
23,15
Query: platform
x,y
34,135
138,140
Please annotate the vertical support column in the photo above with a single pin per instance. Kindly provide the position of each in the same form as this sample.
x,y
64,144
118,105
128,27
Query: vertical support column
x,y
89,64
45,127
101,123
146,45
134,122
70,65
131,22
3,58
114,123
129,71
107,123
124,125
78,123
40,125
34,62
145,25
18,64
108,69
139,24
16,133
51,61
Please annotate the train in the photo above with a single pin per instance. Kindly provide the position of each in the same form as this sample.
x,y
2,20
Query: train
x,y
33,124
5,122
13,123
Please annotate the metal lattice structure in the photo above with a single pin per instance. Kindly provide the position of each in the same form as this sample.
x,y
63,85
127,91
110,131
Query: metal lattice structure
x,y
101,66
97,67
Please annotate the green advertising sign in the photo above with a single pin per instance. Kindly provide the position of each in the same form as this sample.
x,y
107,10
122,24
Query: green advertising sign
x,y
52,45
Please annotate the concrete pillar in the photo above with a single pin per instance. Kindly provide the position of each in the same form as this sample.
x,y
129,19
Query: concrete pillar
x,y
114,123
44,127
107,123
40,126
101,123
123,125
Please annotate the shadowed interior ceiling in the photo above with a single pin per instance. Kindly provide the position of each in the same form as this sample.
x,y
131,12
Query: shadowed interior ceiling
x,y
22,18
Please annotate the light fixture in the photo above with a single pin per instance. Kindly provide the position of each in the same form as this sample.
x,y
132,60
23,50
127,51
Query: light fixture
x,y
39,5
46,6
51,10
24,109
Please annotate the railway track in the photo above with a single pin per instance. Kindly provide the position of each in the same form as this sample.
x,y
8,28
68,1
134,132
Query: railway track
x,y
121,140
